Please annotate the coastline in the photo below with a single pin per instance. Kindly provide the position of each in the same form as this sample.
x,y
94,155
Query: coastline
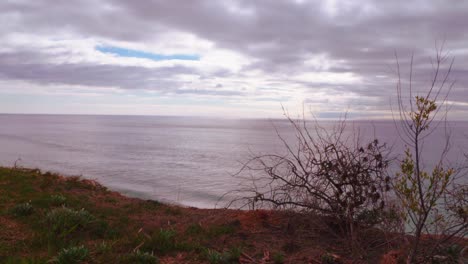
x,y
123,227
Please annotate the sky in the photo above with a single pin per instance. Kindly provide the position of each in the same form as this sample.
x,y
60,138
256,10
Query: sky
x,y
230,58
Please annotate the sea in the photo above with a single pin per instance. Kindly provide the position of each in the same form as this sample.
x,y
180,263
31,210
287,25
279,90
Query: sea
x,y
190,161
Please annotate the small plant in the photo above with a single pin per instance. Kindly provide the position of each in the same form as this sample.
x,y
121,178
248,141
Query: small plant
x,y
232,255
71,255
278,258
430,197
105,247
162,241
142,258
22,209
57,200
63,221
227,257
213,256
194,229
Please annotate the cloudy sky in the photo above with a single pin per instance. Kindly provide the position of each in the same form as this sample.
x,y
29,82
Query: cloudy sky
x,y
232,58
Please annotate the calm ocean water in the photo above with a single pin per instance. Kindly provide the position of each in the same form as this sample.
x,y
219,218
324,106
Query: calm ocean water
x,y
184,160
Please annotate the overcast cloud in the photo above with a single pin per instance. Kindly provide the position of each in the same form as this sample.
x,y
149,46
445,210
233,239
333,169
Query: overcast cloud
x,y
251,56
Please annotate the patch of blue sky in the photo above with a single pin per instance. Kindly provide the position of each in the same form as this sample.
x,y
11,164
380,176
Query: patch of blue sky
x,y
130,53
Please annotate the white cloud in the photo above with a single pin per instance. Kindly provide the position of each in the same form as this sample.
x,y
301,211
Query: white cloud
x,y
254,55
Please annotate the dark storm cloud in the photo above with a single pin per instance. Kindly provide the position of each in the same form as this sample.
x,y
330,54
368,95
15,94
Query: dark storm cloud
x,y
277,35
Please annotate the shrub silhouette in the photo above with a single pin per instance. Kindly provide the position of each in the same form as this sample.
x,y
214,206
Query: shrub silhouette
x,y
325,171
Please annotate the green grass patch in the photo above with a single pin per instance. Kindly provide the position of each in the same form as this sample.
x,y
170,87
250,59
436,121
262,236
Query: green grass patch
x,y
57,200
22,209
194,229
64,221
44,220
71,255
230,256
162,241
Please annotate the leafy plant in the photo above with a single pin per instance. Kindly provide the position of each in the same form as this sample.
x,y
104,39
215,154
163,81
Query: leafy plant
x,y
234,254
22,209
57,200
162,241
194,229
213,256
63,221
226,257
105,247
71,255
430,199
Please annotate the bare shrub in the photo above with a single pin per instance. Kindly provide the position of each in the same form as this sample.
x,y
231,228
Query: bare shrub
x,y
325,171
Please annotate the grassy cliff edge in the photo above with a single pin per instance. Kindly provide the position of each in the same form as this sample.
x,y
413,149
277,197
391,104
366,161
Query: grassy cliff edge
x,y
46,217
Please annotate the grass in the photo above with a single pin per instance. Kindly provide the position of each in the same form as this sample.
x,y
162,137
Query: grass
x,y
72,255
63,221
22,209
51,215
227,257
213,256
57,200
162,241
104,247
194,229
45,216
